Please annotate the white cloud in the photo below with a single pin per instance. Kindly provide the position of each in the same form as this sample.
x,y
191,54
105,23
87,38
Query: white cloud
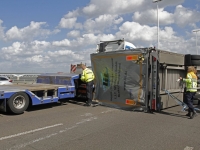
x,y
96,7
165,3
56,31
60,53
1,30
150,17
40,45
118,21
29,32
24,49
145,36
184,16
134,31
72,14
74,33
106,37
16,48
63,55
98,21
90,40
62,43
67,22
101,23
90,9
36,58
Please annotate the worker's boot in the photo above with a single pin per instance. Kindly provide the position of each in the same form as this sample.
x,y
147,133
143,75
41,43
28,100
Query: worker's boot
x,y
193,114
188,114
87,103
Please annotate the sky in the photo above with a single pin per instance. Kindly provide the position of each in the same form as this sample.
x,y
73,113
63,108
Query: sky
x,y
42,36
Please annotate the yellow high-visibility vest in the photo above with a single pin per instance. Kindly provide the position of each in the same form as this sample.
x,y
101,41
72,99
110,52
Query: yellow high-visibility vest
x,y
191,82
87,75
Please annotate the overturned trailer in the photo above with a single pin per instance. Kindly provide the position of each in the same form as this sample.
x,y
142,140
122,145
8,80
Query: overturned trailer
x,y
137,78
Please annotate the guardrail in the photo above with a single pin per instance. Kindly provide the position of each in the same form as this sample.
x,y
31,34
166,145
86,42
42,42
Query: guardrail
x,y
23,81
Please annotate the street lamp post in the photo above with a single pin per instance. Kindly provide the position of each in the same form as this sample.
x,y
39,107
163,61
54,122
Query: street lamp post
x,y
156,1
196,30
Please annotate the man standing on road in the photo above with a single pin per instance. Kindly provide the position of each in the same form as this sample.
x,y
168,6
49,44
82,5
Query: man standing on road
x,y
88,77
191,89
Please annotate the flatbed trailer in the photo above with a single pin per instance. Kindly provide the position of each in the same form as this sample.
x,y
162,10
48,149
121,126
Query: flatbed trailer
x,y
50,88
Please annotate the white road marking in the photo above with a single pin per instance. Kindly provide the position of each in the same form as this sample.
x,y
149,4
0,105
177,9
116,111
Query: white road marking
x,y
87,114
188,148
107,111
51,135
85,120
31,142
31,131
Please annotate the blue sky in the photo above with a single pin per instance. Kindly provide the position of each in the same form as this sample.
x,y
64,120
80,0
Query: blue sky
x,y
48,36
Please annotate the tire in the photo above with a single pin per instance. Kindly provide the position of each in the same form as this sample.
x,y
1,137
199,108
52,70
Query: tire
x,y
195,57
195,62
18,103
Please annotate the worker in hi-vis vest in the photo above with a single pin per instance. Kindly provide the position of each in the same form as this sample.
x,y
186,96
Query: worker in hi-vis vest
x,y
191,89
87,77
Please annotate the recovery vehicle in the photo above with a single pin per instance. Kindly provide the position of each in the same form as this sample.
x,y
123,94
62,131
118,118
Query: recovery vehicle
x,y
49,88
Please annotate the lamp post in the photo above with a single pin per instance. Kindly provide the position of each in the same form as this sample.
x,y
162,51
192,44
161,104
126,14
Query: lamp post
x,y
196,30
156,1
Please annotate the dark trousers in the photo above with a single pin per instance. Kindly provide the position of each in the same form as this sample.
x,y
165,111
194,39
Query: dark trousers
x,y
89,87
189,96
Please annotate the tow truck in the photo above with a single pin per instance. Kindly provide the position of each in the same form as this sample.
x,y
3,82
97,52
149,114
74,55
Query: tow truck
x,y
49,88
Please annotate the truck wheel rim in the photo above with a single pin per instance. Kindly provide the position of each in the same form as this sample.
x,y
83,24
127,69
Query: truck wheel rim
x,y
19,102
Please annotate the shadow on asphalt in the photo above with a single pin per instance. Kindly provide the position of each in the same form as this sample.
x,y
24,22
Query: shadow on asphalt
x,y
182,115
48,106
37,107
51,105
8,114
83,103
173,114
44,106
80,102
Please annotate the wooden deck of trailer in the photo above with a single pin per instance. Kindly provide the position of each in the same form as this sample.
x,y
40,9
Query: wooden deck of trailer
x,y
30,87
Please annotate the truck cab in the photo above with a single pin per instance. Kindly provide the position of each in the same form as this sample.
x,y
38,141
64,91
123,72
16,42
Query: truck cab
x,y
106,46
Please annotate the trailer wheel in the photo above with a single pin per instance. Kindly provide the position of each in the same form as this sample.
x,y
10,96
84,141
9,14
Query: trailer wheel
x,y
18,102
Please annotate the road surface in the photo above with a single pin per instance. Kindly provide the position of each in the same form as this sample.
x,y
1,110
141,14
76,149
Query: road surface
x,y
72,126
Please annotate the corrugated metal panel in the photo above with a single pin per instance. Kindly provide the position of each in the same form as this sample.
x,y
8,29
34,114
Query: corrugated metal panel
x,y
171,75
171,58
167,101
168,81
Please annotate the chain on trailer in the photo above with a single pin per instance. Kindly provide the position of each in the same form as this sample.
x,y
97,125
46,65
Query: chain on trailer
x,y
179,102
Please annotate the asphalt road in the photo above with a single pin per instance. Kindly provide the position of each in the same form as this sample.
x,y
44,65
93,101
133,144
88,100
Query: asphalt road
x,y
72,126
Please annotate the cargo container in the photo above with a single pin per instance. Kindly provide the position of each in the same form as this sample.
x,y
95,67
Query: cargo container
x,y
137,78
